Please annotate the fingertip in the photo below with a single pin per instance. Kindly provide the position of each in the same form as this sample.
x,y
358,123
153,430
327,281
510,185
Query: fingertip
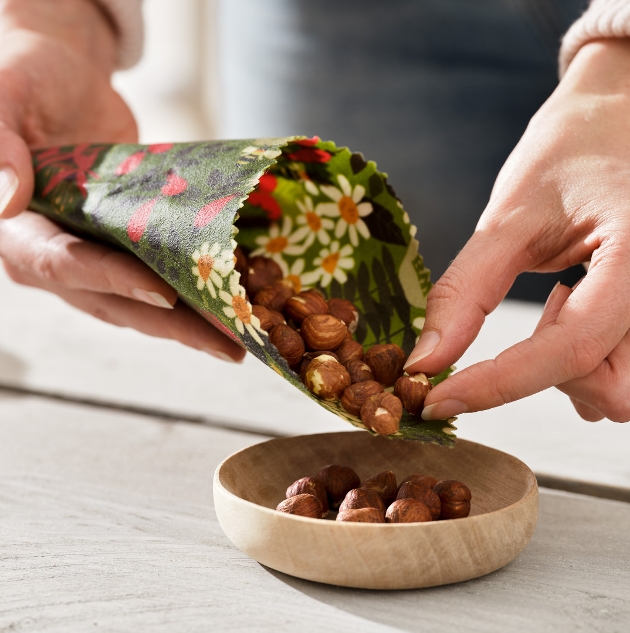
x,y
16,174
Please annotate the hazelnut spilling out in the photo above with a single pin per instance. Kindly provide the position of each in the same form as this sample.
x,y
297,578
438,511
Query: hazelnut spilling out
x,y
326,378
382,413
412,390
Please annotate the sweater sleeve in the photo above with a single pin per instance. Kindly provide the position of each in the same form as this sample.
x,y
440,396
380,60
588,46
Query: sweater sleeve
x,y
602,19
126,16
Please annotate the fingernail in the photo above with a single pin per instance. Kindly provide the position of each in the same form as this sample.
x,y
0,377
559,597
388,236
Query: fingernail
x,y
551,295
427,343
444,409
220,355
152,298
8,186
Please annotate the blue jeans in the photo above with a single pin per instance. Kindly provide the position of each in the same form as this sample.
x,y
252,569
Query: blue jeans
x,y
438,92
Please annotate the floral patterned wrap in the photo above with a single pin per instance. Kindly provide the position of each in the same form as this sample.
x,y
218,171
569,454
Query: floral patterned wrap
x,y
324,214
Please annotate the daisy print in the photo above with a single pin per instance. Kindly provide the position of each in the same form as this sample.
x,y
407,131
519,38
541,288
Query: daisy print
x,y
253,153
313,225
331,263
295,275
279,242
346,206
211,264
239,309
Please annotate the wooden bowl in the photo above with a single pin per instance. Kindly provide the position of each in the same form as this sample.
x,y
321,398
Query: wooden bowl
x,y
249,484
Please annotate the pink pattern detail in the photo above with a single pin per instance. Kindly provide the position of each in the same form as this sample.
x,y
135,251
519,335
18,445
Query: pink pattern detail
x,y
206,214
129,164
160,148
174,185
310,155
138,221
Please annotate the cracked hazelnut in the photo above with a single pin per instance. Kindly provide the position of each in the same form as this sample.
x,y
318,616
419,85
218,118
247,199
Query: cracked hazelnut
x,y
362,515
423,480
411,490
309,356
261,272
304,304
382,413
309,486
350,350
386,362
384,483
359,371
326,378
304,505
412,390
407,511
275,296
344,310
268,318
338,481
288,343
355,396
323,331
455,498
362,498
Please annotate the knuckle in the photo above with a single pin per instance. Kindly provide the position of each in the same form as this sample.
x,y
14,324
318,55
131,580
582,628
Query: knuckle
x,y
450,286
15,274
584,356
45,265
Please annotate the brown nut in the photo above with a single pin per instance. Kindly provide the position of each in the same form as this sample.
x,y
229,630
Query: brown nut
x,y
309,356
344,310
309,486
412,390
288,343
274,296
423,480
338,481
362,515
261,272
326,378
268,318
455,510
359,371
240,262
384,483
382,413
362,498
386,362
350,350
411,490
455,498
355,396
407,511
304,505
304,304
323,331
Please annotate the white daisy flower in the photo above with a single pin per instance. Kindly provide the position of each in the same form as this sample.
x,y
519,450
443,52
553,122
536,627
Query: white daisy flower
x,y
252,153
278,242
313,225
331,263
296,277
239,309
346,206
311,187
211,265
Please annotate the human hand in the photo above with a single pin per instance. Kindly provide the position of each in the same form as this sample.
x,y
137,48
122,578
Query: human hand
x,y
563,197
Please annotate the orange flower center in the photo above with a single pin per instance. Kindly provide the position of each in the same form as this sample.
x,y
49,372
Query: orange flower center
x,y
330,263
349,211
241,307
205,265
314,221
294,280
276,244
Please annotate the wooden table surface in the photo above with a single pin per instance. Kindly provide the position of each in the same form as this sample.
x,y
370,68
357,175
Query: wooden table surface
x,y
106,516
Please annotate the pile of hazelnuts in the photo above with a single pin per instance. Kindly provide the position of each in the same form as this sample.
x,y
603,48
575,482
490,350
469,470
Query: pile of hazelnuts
x,y
378,499
315,337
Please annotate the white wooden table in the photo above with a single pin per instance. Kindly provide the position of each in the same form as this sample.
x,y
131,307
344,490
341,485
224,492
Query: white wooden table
x,y
106,516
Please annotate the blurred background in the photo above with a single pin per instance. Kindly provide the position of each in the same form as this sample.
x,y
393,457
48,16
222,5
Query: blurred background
x,y
437,92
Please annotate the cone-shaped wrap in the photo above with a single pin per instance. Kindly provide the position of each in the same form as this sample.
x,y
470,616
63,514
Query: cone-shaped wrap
x,y
325,215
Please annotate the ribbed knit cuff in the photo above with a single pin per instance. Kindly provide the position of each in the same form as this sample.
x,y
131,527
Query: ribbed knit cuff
x,y
603,19
126,16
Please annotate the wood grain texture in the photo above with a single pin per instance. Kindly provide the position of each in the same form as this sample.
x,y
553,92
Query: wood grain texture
x,y
250,484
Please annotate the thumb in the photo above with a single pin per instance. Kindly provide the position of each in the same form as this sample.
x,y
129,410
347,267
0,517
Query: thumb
x,y
471,288
16,173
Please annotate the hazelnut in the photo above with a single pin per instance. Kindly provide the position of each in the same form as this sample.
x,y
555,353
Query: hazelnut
x,y
344,310
267,318
384,483
359,371
386,362
350,350
309,486
412,390
407,511
349,336
274,296
304,505
261,272
355,396
288,343
326,378
411,490
304,304
362,515
382,413
338,481
455,498
423,480
240,262
323,331
362,498
309,356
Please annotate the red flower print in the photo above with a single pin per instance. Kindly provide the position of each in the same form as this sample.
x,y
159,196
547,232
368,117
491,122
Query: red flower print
x,y
129,164
159,148
308,142
138,221
206,214
74,164
266,202
310,155
174,185
267,183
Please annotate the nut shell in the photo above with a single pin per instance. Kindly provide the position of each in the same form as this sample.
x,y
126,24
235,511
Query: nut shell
x,y
355,396
382,413
359,371
240,262
455,499
323,331
407,511
412,390
338,481
305,304
326,378
362,498
309,356
386,362
411,490
455,510
288,343
350,350
346,311
423,480
274,296
261,272
384,483
309,486
303,505
268,318
362,515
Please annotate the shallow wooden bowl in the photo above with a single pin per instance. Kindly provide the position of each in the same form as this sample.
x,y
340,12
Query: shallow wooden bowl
x,y
249,484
